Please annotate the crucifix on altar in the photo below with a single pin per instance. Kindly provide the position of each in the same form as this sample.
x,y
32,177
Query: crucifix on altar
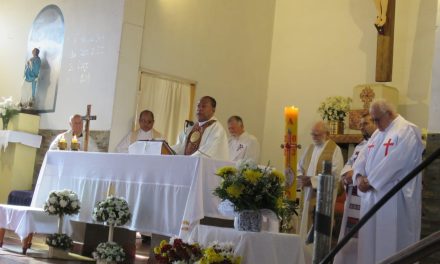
x,y
385,12
87,118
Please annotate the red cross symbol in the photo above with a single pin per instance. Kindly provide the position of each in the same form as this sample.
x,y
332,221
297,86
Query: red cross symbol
x,y
387,145
370,147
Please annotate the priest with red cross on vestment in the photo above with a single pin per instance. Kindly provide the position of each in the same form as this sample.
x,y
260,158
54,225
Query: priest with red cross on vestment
x,y
393,151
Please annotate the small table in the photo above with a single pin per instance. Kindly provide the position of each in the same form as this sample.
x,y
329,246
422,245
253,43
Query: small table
x,y
255,247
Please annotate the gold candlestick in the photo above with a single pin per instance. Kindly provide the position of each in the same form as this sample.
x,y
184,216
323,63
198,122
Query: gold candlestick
x,y
74,145
62,144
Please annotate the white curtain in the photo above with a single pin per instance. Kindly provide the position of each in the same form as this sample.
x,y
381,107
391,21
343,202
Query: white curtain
x,y
169,100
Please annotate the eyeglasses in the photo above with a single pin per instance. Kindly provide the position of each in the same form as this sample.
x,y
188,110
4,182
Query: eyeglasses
x,y
315,134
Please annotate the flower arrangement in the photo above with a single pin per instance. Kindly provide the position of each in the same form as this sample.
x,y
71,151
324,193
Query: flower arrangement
x,y
61,241
113,211
177,251
335,108
109,251
219,253
7,110
250,187
63,202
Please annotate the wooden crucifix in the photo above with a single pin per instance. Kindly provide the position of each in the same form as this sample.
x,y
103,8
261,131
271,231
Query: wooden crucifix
x,y
87,118
385,39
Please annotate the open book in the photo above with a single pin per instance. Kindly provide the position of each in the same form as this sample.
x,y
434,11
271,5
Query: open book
x,y
151,147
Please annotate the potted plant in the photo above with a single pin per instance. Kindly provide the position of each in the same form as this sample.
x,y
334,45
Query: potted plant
x,y
7,110
251,188
63,202
334,110
113,211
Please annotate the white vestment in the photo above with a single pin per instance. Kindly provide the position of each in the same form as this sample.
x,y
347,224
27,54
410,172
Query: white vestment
x,y
348,254
244,147
123,145
92,147
214,142
389,156
309,193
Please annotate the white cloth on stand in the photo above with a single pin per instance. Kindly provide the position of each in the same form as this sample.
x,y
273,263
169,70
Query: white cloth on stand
x,y
24,138
389,156
254,247
24,220
162,191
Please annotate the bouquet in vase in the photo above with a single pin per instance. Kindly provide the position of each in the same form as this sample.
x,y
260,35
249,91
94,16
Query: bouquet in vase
x,y
335,108
113,211
109,251
7,110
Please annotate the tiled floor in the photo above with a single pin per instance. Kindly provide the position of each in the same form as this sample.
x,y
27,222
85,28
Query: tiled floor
x,y
10,253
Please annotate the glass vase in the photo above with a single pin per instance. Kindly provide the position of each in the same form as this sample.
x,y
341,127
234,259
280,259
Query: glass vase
x,y
248,220
5,120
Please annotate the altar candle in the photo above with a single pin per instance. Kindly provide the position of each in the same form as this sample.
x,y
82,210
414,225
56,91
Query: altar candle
x,y
62,139
290,149
74,139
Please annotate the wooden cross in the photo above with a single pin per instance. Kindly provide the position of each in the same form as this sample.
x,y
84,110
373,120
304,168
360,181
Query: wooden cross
x,y
385,43
87,118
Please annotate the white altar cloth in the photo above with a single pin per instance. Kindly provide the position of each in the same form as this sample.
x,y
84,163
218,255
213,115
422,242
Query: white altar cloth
x,y
24,220
255,247
162,191
24,138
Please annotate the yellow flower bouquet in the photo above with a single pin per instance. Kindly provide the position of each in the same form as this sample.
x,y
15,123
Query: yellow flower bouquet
x,y
251,187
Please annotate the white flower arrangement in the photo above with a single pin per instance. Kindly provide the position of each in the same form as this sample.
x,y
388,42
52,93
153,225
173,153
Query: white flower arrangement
x,y
61,241
64,202
113,211
109,251
8,109
335,108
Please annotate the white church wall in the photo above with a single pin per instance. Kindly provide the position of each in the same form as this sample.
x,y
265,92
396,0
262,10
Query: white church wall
x,y
223,45
323,49
90,56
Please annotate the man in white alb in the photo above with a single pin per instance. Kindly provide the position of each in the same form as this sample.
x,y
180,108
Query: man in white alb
x,y
76,129
242,145
310,165
145,132
206,137
348,253
391,153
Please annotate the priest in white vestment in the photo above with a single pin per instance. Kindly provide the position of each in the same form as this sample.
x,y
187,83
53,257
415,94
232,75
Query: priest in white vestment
x,y
76,129
242,145
145,132
206,137
310,165
393,151
348,254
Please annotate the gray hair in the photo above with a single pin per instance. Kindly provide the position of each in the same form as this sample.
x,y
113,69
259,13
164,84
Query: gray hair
x,y
74,116
383,106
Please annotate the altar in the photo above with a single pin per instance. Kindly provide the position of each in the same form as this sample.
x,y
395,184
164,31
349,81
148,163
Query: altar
x,y
167,195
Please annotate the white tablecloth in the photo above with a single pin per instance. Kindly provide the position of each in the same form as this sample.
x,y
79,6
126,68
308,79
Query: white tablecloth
x,y
24,220
162,191
255,247
24,138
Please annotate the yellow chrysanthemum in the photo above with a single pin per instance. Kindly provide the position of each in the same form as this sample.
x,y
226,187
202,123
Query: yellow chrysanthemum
x,y
279,202
222,172
279,175
157,250
212,256
235,190
237,260
163,243
252,176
